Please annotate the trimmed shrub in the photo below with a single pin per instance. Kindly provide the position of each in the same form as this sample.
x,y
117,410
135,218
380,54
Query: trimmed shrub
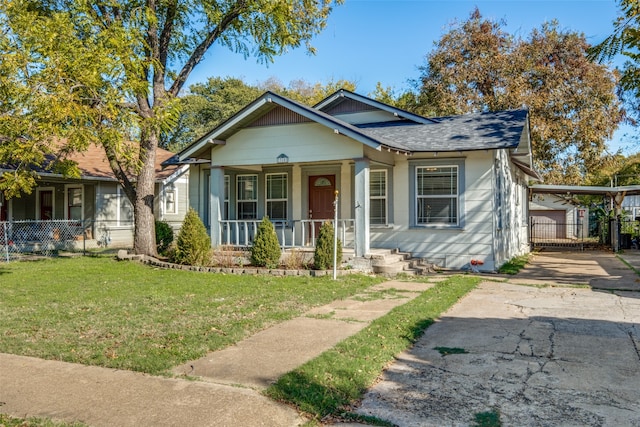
x,y
164,236
323,255
265,251
193,246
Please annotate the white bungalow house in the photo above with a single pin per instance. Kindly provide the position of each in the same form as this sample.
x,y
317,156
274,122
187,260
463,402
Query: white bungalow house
x,y
449,189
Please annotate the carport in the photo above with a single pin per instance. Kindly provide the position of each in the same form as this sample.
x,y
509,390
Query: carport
x,y
615,195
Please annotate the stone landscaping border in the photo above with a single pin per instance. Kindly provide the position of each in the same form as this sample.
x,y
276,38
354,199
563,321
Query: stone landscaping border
x,y
123,255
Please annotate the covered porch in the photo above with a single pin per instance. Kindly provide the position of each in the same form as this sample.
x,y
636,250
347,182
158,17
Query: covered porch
x,y
297,198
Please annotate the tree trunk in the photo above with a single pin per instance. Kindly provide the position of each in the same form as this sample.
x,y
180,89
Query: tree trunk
x,y
144,240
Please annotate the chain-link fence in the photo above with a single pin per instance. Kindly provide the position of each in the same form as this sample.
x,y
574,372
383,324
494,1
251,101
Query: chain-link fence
x,y
24,239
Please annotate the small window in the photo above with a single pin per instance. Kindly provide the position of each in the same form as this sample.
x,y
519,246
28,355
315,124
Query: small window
x,y
125,209
74,200
247,203
277,200
437,195
322,182
171,201
378,197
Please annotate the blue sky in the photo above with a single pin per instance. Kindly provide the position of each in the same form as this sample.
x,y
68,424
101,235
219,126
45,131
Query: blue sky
x,y
370,41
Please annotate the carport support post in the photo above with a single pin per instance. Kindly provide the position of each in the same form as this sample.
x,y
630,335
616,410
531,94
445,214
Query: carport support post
x,y
362,207
216,198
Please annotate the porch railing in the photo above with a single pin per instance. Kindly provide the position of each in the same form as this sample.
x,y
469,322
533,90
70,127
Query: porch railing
x,y
295,233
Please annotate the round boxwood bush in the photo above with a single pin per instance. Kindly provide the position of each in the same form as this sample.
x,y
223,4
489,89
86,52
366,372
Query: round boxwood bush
x,y
323,255
193,245
265,251
164,236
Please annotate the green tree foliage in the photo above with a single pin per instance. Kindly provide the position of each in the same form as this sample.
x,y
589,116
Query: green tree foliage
x,y
193,245
265,251
477,66
108,72
207,105
304,92
323,255
625,41
164,236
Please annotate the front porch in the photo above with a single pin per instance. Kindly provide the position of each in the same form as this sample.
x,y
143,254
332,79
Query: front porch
x,y
297,199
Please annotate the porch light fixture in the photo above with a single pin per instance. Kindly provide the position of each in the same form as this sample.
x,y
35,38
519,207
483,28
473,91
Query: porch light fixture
x,y
282,158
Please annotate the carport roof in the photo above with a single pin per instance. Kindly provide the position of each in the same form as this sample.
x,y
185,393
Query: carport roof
x,y
585,189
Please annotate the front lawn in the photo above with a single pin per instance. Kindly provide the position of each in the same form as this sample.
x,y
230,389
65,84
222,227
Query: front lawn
x,y
97,311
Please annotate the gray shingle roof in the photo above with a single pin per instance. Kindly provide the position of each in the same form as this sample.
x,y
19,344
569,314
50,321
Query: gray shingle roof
x,y
468,132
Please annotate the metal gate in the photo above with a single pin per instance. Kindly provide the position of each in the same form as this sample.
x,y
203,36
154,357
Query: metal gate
x,y
551,233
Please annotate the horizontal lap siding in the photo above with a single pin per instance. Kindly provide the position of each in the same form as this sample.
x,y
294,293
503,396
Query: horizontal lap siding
x,y
300,143
452,248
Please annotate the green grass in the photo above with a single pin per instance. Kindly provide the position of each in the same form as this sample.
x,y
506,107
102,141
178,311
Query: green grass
x,y
7,421
514,265
337,379
97,311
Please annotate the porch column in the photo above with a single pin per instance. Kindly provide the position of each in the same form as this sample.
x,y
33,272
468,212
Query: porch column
x,y
362,207
216,200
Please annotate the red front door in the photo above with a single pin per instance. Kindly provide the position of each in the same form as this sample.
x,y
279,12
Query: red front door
x,y
321,197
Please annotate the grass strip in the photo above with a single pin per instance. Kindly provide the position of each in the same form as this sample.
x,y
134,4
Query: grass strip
x,y
125,315
7,421
514,265
330,383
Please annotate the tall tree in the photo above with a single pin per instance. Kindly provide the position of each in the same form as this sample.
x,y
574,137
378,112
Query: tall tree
x,y
625,41
133,58
477,66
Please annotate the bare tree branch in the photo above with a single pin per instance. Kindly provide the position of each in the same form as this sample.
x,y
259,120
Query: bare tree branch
x,y
239,7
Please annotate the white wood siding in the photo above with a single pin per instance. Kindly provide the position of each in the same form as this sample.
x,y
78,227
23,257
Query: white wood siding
x,y
301,143
447,247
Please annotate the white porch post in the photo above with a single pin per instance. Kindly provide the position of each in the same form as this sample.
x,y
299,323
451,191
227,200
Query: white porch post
x,y
216,200
362,207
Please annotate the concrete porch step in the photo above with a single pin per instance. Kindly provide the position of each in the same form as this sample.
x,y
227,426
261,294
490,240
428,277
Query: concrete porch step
x,y
393,262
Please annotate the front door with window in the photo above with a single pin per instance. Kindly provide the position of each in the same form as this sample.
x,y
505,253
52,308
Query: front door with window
x,y
321,197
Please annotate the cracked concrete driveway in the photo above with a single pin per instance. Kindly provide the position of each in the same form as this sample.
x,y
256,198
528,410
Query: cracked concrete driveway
x,y
553,356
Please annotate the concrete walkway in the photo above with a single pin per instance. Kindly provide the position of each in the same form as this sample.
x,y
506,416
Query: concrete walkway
x,y
229,393
552,356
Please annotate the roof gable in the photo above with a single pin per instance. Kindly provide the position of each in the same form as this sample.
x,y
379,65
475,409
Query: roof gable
x,y
269,109
344,101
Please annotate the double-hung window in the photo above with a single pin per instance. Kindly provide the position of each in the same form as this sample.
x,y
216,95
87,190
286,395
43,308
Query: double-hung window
x,y
171,201
378,197
437,191
277,200
247,194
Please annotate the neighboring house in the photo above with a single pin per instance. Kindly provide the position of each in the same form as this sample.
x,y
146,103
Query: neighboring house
x,y
449,189
97,200
556,217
